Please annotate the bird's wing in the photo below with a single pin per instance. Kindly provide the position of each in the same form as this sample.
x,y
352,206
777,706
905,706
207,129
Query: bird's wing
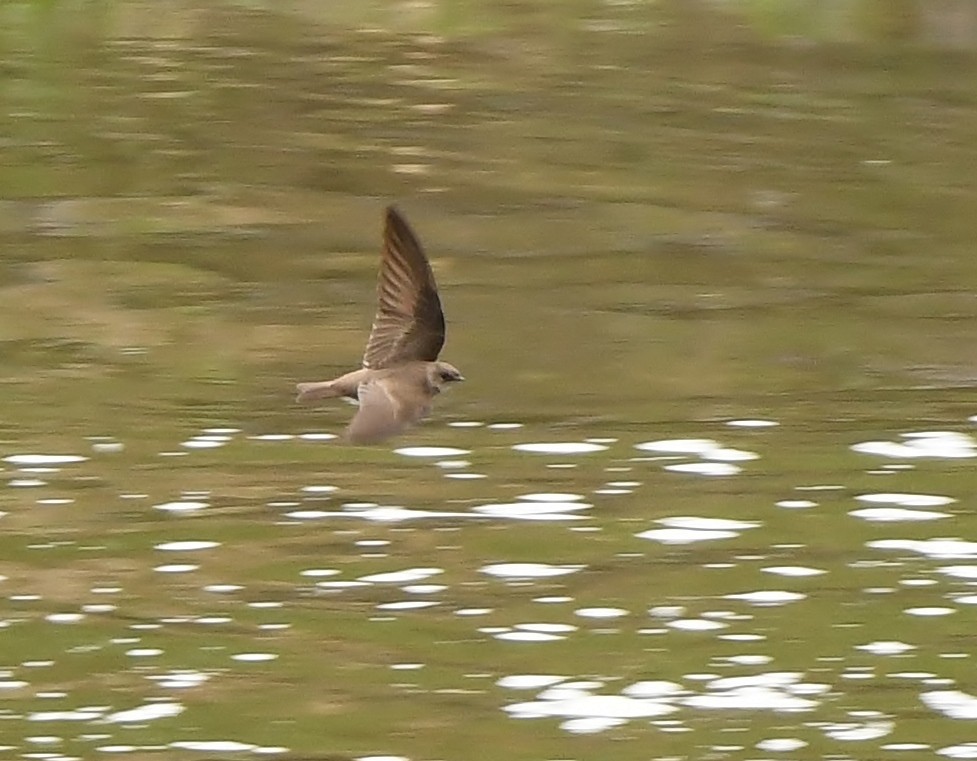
x,y
387,407
409,324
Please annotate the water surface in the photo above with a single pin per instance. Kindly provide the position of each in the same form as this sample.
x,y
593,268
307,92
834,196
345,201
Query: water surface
x,y
707,492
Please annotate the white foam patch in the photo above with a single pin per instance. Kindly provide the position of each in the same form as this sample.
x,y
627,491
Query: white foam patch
x,y
319,572
679,446
781,744
108,447
930,611
560,447
44,459
858,731
775,691
796,504
376,514
953,704
317,436
697,523
406,576
907,500
529,570
684,536
188,506
752,423
322,489
896,515
605,613
964,750
431,451
524,636
968,572
655,688
206,442
934,548
186,546
80,714
176,568
705,468
254,657
64,618
793,571
886,647
690,529
948,445
533,510
144,713
767,597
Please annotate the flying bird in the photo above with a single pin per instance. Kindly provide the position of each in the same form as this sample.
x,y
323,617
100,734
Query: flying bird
x,y
401,373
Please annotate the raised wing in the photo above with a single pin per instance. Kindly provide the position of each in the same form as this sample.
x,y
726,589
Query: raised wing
x,y
409,324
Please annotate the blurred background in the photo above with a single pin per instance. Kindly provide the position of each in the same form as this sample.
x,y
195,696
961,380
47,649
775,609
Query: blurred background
x,y
708,266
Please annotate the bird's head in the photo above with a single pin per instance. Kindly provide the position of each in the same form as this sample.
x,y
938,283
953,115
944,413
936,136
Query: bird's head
x,y
445,373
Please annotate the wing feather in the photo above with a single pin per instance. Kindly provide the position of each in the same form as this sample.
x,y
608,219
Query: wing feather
x,y
409,323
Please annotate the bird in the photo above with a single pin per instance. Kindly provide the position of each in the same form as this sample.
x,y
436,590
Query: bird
x,y
401,373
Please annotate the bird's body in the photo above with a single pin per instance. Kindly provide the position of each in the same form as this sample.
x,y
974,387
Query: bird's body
x,y
401,373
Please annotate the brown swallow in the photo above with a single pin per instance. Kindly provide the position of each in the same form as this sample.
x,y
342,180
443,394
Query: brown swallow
x,y
401,373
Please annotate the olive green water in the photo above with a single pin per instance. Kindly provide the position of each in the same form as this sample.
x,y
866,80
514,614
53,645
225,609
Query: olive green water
x,y
720,275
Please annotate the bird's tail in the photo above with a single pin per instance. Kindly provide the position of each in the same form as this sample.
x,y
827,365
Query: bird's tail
x,y
309,392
